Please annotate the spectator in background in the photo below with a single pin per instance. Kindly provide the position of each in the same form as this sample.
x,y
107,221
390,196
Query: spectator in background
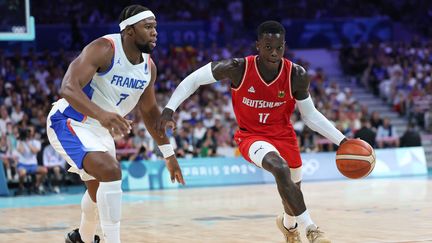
x,y
387,135
55,164
375,120
124,145
184,143
365,132
142,142
4,148
199,132
17,114
411,137
208,146
27,148
4,119
428,119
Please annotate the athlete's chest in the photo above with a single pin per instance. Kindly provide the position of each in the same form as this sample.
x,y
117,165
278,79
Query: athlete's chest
x,y
129,80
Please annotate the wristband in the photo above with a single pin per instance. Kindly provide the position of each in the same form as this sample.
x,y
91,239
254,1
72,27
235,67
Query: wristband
x,y
167,150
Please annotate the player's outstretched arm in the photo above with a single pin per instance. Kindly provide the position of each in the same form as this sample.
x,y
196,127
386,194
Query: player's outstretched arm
x,y
231,69
150,113
96,56
310,115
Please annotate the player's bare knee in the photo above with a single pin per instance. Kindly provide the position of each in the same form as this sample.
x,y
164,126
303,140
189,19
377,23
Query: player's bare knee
x,y
108,171
112,172
274,163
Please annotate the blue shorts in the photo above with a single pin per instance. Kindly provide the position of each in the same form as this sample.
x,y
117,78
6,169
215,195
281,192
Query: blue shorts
x,y
30,169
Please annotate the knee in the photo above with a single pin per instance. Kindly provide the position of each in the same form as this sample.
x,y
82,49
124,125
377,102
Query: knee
x,y
282,173
278,167
111,171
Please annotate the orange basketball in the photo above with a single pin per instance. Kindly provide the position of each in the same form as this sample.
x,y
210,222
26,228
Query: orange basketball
x,y
355,159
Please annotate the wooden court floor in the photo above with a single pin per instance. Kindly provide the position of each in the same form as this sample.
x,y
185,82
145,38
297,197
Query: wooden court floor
x,y
363,211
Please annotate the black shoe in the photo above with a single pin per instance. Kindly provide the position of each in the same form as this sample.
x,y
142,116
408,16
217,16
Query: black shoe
x,y
75,237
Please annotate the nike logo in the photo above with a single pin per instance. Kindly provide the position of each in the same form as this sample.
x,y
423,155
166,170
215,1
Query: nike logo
x,y
258,150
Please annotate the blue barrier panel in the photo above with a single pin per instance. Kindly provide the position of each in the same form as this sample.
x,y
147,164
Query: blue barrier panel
x,y
400,162
218,171
234,171
196,172
3,182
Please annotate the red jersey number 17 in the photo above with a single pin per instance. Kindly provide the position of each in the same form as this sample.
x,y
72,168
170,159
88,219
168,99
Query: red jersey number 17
x,y
263,117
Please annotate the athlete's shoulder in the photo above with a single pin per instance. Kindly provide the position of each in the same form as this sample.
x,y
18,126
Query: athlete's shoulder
x,y
228,68
299,82
298,71
232,63
101,45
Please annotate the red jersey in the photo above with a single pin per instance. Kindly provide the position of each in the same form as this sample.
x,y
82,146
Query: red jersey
x,y
262,108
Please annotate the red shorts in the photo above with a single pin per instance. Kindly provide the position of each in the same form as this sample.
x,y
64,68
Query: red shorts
x,y
287,147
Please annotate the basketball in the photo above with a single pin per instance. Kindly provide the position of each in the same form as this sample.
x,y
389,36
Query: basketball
x,y
355,159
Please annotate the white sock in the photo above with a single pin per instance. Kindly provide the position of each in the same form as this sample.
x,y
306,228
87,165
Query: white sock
x,y
289,221
304,220
109,199
89,218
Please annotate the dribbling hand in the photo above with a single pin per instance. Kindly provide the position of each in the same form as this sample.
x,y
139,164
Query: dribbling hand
x,y
165,120
174,169
116,124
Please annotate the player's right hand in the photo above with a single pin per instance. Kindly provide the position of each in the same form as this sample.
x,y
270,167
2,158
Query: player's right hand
x,y
174,170
116,124
165,120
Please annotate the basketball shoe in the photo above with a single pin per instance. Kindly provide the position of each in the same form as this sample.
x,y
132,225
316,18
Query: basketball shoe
x,y
75,237
291,236
315,235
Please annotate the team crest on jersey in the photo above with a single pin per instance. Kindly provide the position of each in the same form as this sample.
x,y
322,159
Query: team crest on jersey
x,y
251,89
281,94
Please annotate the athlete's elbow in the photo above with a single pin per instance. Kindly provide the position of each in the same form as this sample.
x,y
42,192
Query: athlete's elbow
x,y
66,91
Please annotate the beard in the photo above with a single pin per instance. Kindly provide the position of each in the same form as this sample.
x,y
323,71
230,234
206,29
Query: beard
x,y
145,48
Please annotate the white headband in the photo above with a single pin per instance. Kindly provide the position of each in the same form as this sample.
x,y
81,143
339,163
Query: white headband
x,y
135,19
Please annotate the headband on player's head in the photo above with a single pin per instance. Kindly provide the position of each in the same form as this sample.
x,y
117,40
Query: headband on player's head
x,y
136,18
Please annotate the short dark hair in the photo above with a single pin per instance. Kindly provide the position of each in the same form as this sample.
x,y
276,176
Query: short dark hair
x,y
270,27
131,10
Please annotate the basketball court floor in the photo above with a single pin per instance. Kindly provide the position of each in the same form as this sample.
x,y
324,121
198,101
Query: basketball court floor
x,y
363,211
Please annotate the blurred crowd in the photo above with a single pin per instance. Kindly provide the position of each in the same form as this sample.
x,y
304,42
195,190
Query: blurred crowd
x,y
400,73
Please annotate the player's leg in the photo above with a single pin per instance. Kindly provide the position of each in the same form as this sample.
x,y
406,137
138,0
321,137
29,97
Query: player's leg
x,y
267,156
288,218
89,217
78,143
89,212
105,168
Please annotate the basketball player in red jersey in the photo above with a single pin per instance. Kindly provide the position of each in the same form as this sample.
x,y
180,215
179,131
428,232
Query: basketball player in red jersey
x,y
265,90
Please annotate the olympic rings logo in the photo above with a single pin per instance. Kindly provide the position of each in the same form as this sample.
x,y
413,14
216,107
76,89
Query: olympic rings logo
x,y
310,166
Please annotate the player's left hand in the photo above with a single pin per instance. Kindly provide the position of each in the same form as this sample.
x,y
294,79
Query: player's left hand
x,y
174,169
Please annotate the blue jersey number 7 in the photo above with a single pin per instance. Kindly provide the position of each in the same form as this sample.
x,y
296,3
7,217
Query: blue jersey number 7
x,y
122,97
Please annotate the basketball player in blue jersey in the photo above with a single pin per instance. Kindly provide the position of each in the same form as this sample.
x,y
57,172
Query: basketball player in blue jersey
x,y
105,82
